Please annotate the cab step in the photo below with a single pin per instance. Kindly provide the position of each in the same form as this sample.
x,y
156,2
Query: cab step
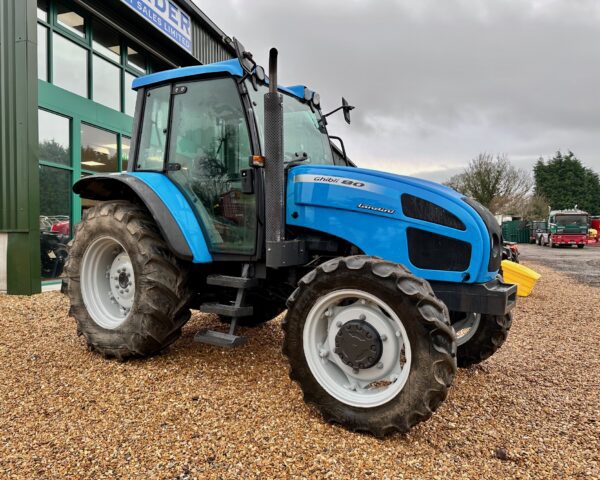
x,y
219,339
231,282
227,310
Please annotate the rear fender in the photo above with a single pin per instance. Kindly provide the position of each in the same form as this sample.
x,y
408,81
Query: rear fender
x,y
167,205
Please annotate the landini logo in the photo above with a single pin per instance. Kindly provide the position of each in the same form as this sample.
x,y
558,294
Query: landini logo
x,y
376,209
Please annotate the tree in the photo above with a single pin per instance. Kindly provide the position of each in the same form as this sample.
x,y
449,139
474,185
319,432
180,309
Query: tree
x,y
565,182
535,208
495,183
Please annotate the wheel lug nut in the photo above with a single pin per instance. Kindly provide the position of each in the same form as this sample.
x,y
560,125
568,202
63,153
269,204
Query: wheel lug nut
x,y
323,353
398,333
362,316
380,365
383,337
339,324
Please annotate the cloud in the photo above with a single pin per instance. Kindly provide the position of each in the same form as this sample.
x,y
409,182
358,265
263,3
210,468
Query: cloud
x,y
437,82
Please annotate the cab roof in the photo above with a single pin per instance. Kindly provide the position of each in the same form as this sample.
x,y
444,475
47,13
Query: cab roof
x,y
232,67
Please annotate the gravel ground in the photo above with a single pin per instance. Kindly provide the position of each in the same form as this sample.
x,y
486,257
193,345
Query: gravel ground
x,y
531,411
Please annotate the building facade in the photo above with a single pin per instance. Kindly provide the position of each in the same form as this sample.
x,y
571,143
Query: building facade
x,y
66,109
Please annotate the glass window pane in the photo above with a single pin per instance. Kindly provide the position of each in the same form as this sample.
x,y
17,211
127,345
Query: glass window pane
x,y
125,148
42,10
55,211
106,41
130,94
54,138
70,20
151,152
210,140
98,149
302,131
136,60
70,66
42,51
107,79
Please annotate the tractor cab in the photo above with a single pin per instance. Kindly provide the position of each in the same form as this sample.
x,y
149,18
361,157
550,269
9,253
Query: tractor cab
x,y
204,128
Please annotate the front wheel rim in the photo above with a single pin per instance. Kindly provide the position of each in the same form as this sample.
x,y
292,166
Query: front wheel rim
x,y
358,387
107,282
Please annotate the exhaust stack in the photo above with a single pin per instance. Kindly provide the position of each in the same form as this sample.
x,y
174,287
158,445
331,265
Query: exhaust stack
x,y
280,252
274,168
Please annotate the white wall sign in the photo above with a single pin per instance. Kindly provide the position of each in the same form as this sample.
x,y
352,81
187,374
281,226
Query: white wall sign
x,y
168,17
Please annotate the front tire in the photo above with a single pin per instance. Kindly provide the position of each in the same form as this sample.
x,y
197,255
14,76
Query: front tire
x,y
369,344
128,292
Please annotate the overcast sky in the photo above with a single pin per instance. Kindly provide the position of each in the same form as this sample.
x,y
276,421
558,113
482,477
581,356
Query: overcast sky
x,y
435,82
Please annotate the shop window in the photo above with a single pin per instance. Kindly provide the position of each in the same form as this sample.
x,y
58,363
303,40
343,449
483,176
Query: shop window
x,y
68,19
107,79
130,94
54,138
136,60
55,211
69,65
98,149
125,148
106,41
42,10
42,51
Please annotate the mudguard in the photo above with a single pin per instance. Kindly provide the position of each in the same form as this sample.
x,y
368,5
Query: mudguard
x,y
364,207
167,205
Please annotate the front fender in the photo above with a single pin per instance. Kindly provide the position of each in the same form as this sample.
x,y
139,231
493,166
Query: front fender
x,y
167,205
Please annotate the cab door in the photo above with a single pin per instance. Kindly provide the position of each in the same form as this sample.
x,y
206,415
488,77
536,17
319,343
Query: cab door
x,y
208,147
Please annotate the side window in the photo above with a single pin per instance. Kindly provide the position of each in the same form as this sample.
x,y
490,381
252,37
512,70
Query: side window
x,y
211,143
154,129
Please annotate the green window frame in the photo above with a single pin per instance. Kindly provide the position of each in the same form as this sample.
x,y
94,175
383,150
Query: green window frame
x,y
87,42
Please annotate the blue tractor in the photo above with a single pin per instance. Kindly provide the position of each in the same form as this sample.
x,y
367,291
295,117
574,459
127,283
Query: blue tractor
x,y
236,203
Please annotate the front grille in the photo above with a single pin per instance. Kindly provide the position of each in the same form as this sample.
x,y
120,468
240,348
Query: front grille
x,y
430,251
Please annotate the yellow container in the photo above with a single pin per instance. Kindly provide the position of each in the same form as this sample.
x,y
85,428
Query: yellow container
x,y
592,233
525,278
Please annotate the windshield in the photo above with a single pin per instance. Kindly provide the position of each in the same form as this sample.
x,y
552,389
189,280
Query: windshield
x,y
301,130
572,220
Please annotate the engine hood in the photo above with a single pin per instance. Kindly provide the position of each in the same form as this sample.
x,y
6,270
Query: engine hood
x,y
410,221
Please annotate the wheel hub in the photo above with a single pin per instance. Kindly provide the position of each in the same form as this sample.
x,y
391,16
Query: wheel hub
x,y
358,344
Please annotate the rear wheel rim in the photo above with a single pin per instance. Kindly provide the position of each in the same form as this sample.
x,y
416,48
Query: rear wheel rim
x,y
466,327
358,387
107,282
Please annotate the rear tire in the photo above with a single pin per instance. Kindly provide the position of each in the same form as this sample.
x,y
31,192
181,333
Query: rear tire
x,y
485,338
365,398
116,322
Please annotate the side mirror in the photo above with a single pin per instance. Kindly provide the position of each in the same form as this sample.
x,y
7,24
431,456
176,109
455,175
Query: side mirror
x,y
245,57
260,74
347,109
